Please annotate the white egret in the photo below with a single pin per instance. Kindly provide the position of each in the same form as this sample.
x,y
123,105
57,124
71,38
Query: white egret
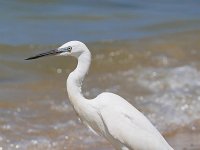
x,y
108,114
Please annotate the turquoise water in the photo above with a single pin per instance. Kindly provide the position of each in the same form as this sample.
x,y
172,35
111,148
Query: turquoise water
x,y
52,22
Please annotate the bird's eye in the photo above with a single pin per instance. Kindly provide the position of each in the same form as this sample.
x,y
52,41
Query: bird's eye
x,y
69,49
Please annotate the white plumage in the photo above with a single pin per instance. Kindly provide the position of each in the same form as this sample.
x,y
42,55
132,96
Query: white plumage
x,y
108,114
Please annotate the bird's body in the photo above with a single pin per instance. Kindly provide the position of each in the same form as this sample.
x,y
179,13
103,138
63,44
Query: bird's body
x,y
108,114
123,125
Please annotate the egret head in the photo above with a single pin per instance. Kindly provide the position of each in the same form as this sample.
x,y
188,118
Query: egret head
x,y
72,48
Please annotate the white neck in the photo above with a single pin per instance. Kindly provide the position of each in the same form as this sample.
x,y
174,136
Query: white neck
x,y
75,80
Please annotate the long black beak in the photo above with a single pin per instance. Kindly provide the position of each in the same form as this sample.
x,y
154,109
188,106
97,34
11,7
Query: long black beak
x,y
49,53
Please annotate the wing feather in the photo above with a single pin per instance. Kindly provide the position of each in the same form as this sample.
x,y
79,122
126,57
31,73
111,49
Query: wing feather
x,y
128,125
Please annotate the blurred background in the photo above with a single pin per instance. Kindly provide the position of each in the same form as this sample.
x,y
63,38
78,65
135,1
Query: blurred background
x,y
146,51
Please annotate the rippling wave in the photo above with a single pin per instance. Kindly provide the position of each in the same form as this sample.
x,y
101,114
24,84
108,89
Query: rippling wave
x,y
159,76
